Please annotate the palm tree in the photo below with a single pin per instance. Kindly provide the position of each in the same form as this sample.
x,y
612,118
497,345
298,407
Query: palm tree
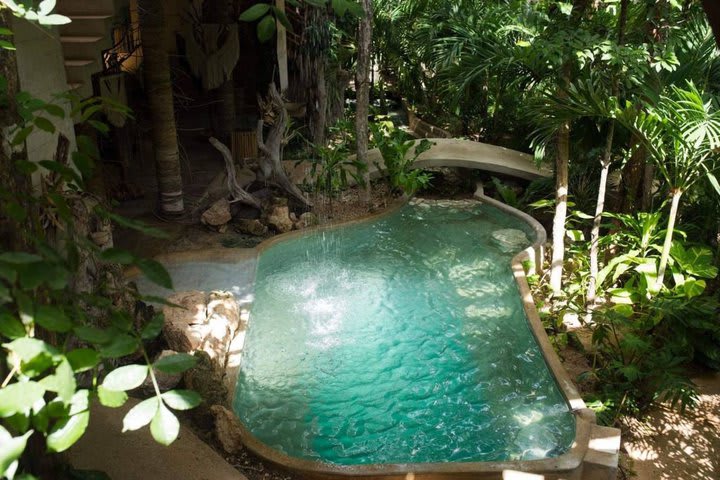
x,y
682,136
362,87
158,88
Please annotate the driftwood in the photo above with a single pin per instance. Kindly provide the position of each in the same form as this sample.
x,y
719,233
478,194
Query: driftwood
x,y
237,193
271,160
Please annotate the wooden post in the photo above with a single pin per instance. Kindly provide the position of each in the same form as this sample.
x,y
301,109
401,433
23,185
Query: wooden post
x,y
282,50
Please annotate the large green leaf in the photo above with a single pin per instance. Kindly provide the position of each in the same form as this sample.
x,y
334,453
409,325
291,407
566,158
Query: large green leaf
x,y
697,261
83,359
156,273
153,327
67,431
165,426
266,28
181,399
126,378
62,381
255,12
121,345
10,450
111,398
18,397
141,414
11,327
177,363
52,318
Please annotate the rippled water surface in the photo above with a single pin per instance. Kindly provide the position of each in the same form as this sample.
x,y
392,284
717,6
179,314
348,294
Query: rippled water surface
x,y
400,341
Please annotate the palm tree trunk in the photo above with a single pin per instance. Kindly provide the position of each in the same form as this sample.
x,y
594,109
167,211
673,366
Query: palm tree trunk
x,y
675,196
223,110
599,208
562,160
158,88
362,87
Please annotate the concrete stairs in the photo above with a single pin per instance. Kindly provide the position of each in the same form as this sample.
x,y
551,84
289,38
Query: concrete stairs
x,y
84,39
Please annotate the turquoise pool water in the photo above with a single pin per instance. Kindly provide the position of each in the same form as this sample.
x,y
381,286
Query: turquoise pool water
x,y
402,340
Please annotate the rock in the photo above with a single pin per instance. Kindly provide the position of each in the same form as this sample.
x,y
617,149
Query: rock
x,y
206,378
511,240
279,219
227,429
206,323
293,217
166,381
183,326
253,227
218,214
307,219
241,211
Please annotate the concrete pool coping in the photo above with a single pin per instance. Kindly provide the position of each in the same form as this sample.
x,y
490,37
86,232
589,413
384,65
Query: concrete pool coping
x,y
593,454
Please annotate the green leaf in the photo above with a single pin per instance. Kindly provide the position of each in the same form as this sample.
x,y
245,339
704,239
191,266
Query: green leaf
x,y
117,255
54,110
7,45
19,258
155,272
126,378
62,381
27,348
11,327
111,398
12,448
52,319
177,363
165,426
266,28
45,7
134,225
694,288
182,399
255,12
25,167
6,31
84,163
141,414
153,327
120,346
83,359
67,431
93,334
282,18
714,182
18,397
44,124
99,126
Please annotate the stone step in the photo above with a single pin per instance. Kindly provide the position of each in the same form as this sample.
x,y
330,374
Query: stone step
x,y
82,39
78,62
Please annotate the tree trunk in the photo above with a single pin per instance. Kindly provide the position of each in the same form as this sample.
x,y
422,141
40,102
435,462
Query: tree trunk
x,y
320,106
271,162
599,208
675,196
282,53
562,160
158,88
362,87
223,110
712,10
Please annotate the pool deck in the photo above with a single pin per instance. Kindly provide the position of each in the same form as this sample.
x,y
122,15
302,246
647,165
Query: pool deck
x,y
456,152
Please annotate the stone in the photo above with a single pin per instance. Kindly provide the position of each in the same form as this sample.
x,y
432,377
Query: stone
x,y
510,239
206,378
206,323
279,218
227,429
307,219
165,381
218,214
252,227
293,217
183,328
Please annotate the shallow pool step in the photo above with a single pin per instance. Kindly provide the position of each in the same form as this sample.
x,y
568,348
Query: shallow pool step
x,y
601,459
